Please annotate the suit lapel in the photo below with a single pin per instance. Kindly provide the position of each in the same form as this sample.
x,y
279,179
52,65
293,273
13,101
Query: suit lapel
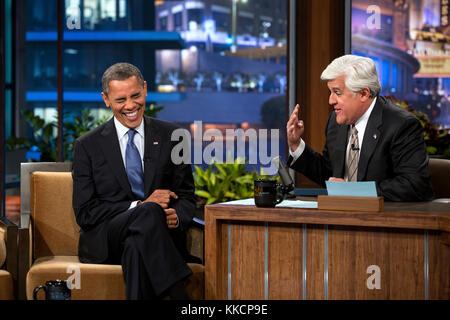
x,y
372,135
111,148
152,150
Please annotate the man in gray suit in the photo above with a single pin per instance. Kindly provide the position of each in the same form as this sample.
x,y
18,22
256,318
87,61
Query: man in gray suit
x,y
368,138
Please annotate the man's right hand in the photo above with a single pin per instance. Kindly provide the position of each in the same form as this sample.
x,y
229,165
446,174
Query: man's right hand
x,y
294,129
161,197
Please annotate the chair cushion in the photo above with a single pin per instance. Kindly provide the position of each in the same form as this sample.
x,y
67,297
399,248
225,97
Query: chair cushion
x,y
97,281
6,286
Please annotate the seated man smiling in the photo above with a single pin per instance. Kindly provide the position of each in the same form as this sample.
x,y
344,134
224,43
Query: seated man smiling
x,y
133,204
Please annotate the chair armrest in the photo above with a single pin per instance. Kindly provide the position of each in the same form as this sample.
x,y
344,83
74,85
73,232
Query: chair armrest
x,y
24,256
10,230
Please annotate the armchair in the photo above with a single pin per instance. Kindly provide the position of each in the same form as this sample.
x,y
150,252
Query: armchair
x,y
8,259
53,235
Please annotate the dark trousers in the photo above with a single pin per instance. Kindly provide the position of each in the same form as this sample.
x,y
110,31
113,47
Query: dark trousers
x,y
141,242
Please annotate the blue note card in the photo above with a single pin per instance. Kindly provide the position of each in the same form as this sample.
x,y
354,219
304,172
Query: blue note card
x,y
352,189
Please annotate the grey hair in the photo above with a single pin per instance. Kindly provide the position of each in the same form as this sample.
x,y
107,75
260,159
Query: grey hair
x,y
360,72
120,71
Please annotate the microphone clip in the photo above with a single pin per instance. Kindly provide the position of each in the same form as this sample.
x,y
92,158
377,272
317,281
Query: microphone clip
x,y
286,190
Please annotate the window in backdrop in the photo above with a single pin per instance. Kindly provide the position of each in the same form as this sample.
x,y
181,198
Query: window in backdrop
x,y
213,64
231,73
409,42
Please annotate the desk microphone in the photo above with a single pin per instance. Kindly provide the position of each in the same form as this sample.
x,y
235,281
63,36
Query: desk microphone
x,y
288,183
354,148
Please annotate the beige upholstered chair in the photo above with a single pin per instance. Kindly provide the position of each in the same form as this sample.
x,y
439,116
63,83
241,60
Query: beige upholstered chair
x,y
440,178
8,259
54,246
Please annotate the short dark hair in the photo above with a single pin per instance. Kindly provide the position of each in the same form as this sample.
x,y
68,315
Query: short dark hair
x,y
120,71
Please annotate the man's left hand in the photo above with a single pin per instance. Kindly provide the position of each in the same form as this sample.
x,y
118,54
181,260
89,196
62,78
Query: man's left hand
x,y
171,218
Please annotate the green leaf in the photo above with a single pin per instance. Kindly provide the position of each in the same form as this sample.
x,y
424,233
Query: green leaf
x,y
211,201
230,194
202,193
213,178
431,150
221,170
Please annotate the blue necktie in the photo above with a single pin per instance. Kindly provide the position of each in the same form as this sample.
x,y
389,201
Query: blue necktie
x,y
134,167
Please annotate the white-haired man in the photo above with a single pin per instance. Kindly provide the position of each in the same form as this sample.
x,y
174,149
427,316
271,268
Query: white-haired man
x,y
368,138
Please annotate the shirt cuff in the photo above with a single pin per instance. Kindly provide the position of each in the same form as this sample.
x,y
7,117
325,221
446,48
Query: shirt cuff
x,y
133,204
298,152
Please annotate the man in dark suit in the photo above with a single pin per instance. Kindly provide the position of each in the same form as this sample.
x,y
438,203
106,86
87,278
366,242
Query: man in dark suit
x,y
368,138
132,202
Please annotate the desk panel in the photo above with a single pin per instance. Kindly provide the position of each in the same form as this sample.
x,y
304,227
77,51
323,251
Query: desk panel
x,y
315,262
285,262
375,263
254,253
247,261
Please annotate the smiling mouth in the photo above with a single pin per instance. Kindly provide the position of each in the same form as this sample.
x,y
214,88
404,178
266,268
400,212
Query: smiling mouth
x,y
131,115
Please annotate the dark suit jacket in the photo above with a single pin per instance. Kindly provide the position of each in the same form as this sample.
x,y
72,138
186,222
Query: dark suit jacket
x,y
101,189
393,154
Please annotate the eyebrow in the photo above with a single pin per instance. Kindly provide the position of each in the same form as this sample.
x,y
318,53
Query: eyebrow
x,y
133,95
335,89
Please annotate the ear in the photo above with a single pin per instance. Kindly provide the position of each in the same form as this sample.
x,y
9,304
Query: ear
x,y
365,94
145,88
105,99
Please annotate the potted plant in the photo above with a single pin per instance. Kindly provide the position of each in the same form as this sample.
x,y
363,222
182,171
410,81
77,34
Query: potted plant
x,y
221,182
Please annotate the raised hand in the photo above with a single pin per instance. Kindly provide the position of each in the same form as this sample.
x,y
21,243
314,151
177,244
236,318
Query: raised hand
x,y
294,129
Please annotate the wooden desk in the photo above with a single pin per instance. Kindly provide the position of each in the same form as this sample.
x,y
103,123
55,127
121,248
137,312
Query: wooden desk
x,y
287,253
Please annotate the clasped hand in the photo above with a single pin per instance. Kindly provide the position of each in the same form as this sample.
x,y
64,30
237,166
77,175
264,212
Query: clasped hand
x,y
163,197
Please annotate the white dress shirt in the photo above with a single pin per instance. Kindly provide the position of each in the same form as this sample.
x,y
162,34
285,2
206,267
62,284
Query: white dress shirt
x,y
139,141
360,125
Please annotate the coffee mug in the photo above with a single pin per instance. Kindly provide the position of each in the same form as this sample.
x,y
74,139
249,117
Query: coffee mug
x,y
267,193
54,290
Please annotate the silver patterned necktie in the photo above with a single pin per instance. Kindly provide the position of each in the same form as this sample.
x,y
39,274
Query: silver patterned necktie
x,y
353,155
